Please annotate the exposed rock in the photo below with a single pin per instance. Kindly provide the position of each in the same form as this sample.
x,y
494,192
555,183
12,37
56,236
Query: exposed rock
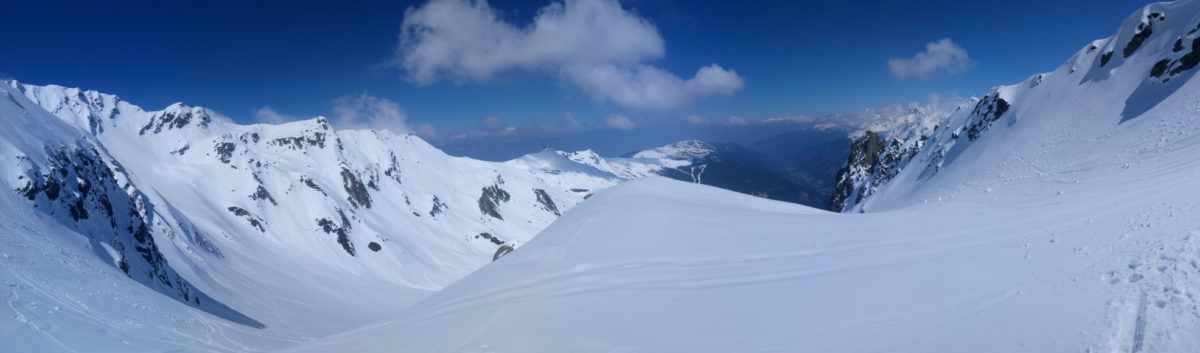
x,y
438,207
501,251
489,201
986,112
342,231
176,116
357,190
547,203
255,221
225,151
490,237
312,184
861,163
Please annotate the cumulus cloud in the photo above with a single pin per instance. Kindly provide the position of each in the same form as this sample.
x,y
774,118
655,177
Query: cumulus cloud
x,y
595,45
619,122
369,112
943,55
267,115
644,86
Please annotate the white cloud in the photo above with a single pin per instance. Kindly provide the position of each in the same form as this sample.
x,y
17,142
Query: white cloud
x,y
644,86
737,121
619,122
595,44
369,112
266,115
427,130
943,55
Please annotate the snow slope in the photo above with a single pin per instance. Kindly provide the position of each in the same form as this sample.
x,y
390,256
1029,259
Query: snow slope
x,y
1054,215
267,226
78,269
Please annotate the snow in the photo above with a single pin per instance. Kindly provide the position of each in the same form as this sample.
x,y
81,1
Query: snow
x,y
1062,224
267,256
692,268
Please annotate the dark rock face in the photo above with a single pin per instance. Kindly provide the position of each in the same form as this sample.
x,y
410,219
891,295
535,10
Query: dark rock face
x,y
255,221
393,170
79,188
490,200
1167,75
547,203
176,118
317,139
357,190
864,152
342,230
986,112
262,194
1144,31
225,151
312,184
501,251
374,246
490,237
1104,58
438,207
1168,68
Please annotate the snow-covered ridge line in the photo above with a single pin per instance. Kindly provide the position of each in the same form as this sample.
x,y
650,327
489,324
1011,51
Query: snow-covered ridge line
x,y
1153,53
238,209
1053,215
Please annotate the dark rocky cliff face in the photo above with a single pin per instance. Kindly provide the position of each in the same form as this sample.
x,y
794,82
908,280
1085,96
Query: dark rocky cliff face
x,y
81,190
864,152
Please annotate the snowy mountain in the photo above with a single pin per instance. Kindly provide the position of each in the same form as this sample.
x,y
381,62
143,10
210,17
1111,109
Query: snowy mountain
x,y
205,210
1052,215
884,148
724,165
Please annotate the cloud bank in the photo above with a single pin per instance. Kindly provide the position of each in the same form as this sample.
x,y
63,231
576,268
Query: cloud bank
x,y
943,55
595,45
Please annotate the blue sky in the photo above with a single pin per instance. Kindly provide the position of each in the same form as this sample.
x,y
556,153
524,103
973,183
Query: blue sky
x,y
299,57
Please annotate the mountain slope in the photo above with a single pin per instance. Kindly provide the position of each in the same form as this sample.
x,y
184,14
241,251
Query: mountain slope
x,y
1049,216
79,262
1144,70
346,226
698,269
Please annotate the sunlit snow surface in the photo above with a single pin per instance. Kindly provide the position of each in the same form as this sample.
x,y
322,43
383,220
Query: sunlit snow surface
x,y
1065,225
